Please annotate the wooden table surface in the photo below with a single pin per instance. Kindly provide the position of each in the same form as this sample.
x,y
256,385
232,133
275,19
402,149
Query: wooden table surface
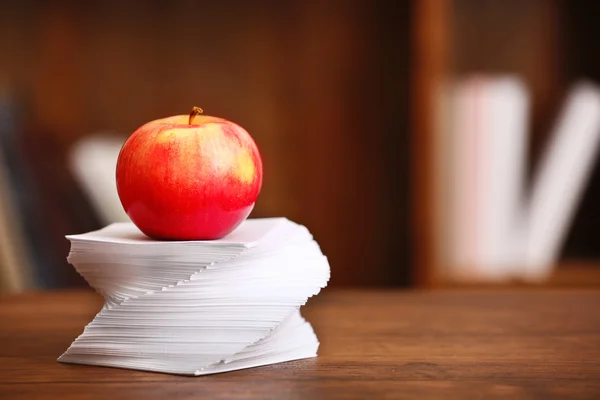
x,y
375,344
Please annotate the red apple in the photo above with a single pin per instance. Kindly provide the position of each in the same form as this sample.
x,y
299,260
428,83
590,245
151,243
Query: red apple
x,y
192,177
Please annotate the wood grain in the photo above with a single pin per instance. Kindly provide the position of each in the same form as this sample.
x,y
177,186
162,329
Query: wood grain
x,y
386,344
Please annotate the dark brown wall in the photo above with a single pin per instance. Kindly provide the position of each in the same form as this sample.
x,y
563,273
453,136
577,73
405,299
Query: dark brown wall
x,y
321,85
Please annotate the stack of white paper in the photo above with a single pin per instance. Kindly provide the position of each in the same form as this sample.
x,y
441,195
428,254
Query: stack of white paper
x,y
199,307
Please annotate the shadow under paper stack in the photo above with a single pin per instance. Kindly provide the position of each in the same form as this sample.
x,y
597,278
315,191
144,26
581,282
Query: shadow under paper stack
x,y
199,307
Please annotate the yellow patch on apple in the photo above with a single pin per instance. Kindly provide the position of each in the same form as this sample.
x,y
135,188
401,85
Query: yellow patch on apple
x,y
244,167
164,137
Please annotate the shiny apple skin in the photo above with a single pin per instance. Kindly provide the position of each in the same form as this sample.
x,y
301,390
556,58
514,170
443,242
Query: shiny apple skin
x,y
178,181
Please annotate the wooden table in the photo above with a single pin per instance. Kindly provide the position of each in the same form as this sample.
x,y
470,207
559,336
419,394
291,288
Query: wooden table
x,y
375,344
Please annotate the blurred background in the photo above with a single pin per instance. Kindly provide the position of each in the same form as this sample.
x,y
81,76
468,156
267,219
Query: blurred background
x,y
347,101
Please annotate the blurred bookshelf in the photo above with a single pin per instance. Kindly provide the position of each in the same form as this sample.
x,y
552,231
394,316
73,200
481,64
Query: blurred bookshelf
x,y
321,86
549,45
340,96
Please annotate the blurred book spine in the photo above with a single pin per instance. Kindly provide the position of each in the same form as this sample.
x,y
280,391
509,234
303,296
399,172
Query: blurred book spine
x,y
42,198
16,259
14,272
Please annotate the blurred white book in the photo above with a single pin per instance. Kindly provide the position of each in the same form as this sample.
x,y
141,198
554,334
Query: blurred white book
x,y
93,163
199,307
486,144
561,179
490,229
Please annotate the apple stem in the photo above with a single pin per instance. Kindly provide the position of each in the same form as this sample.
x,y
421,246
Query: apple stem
x,y
195,111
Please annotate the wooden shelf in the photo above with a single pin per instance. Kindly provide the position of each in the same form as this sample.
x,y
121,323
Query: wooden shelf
x,y
454,38
569,274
